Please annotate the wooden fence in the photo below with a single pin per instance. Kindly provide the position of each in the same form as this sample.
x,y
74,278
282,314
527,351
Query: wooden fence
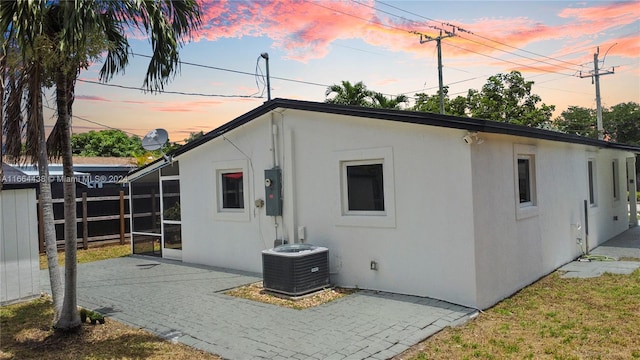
x,y
117,235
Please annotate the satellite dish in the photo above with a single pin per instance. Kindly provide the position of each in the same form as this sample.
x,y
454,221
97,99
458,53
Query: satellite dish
x,y
155,139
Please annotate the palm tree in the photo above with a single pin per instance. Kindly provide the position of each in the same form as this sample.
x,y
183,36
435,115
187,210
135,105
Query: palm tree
x,y
77,29
349,94
19,76
381,101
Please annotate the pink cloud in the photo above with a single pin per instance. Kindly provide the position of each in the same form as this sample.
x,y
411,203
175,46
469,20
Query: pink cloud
x,y
141,102
388,81
91,98
186,106
589,22
305,29
627,47
617,11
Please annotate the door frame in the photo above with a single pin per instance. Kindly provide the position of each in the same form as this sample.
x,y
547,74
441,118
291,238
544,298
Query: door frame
x,y
172,254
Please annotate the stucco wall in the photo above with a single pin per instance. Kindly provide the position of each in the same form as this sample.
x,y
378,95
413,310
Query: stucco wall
x,y
20,275
450,230
512,253
426,247
212,241
429,250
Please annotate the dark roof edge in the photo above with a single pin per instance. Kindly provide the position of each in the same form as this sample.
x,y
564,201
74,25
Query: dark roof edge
x,y
19,186
449,121
414,117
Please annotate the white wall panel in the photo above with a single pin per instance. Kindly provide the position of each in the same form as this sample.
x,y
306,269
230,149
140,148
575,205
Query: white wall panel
x,y
19,245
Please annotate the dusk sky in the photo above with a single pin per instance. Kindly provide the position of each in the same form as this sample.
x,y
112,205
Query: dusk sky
x,y
314,44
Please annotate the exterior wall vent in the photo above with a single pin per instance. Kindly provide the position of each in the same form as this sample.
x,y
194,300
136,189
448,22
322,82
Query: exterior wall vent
x,y
295,269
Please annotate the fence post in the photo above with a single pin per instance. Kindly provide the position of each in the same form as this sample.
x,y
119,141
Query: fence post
x,y
85,227
121,217
40,225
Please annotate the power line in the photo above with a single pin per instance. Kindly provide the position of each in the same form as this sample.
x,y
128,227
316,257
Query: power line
x,y
434,27
480,36
168,92
451,83
509,52
240,72
202,66
95,122
507,61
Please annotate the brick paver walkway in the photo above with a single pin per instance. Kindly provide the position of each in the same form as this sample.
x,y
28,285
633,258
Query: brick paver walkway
x,y
186,303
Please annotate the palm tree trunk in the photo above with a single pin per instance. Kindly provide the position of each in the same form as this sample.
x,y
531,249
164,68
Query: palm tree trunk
x,y
70,318
36,121
51,246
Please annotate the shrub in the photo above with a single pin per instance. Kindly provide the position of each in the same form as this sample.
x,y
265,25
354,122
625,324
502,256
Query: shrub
x,y
93,316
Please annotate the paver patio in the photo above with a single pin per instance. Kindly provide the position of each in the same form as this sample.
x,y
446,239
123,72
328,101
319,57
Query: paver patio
x,y
186,303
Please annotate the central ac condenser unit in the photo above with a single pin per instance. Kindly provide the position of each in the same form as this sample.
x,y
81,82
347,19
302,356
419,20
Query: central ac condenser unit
x,y
295,269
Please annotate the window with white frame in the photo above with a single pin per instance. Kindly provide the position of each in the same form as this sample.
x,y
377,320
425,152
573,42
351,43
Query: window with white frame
x,y
231,190
364,186
591,174
367,195
525,181
615,187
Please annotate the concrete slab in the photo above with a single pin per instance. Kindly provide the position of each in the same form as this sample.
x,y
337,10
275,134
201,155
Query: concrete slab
x,y
185,303
625,245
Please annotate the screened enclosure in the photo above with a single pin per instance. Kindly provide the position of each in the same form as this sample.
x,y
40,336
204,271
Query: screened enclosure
x,y
155,213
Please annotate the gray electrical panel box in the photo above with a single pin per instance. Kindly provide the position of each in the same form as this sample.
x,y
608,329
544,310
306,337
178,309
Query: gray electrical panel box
x,y
273,191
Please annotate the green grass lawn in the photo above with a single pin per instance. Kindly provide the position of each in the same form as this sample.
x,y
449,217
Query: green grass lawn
x,y
555,318
26,334
92,254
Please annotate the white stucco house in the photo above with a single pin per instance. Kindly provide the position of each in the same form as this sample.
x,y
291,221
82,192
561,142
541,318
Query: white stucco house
x,y
459,209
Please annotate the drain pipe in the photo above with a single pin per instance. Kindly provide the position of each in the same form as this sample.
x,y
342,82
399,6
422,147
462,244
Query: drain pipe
x,y
586,227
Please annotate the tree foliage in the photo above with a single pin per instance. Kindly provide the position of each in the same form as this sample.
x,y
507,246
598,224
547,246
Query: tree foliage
x,y
349,94
578,120
621,122
359,95
431,103
508,98
117,143
106,143
505,98
394,102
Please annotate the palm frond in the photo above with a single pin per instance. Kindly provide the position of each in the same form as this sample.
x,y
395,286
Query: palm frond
x,y
168,23
13,116
34,111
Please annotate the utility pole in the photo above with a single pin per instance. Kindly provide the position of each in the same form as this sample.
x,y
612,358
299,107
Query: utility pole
x,y
426,38
595,78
